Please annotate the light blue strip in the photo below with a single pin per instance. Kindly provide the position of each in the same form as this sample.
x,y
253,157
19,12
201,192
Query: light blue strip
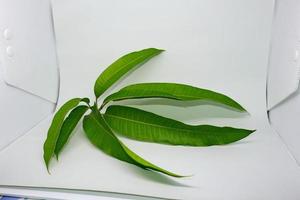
x,y
10,198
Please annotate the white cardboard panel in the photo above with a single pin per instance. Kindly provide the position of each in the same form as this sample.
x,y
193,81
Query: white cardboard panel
x,y
284,63
285,120
28,47
221,45
19,112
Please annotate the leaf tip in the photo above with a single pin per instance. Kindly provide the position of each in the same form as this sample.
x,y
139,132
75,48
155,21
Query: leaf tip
x,y
56,156
247,133
183,176
244,110
160,50
178,175
156,49
48,171
47,167
187,176
47,161
241,109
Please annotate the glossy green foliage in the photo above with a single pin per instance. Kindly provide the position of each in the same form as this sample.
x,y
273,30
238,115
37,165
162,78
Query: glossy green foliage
x,y
135,123
120,67
54,130
175,91
100,134
146,126
68,126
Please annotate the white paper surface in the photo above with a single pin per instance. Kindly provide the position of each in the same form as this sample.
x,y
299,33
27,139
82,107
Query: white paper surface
x,y
19,112
285,119
31,62
220,45
284,63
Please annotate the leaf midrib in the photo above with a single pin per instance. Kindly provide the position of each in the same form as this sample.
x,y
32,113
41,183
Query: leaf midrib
x,y
153,125
178,97
119,142
133,60
99,124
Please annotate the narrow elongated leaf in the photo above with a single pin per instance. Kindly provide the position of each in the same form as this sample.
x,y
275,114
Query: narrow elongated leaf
x,y
54,130
120,67
86,100
99,133
146,126
171,91
68,126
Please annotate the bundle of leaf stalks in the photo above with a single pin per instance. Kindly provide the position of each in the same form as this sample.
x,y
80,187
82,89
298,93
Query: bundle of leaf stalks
x,y
101,128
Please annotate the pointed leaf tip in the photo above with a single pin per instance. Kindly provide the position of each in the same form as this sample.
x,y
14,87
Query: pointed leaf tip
x,y
146,126
175,91
120,67
55,127
68,126
100,134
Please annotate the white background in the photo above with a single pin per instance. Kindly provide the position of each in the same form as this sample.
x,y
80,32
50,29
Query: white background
x,y
221,45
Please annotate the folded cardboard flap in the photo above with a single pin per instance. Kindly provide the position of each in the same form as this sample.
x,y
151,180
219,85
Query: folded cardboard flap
x,y
28,47
284,60
29,78
284,73
288,128
226,52
19,112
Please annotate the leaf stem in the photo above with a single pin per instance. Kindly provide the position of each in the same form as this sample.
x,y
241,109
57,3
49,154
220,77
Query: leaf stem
x,y
88,103
102,106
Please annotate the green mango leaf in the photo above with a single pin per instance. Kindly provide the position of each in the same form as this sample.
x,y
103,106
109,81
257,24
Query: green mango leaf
x,y
146,126
100,134
68,126
55,127
120,67
86,100
171,91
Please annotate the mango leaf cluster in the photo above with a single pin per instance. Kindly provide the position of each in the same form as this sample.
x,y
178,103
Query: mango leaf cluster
x,y
102,128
